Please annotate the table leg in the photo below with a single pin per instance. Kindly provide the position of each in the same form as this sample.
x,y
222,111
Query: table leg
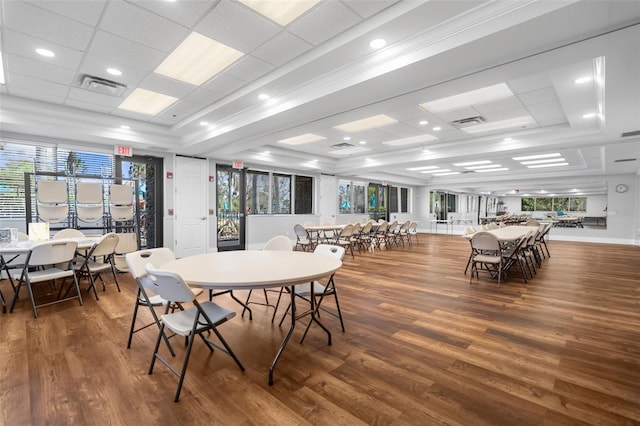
x,y
287,337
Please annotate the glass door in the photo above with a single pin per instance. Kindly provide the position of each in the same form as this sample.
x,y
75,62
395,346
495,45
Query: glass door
x,y
148,171
377,201
230,205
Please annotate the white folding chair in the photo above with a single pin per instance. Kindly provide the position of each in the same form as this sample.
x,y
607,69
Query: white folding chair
x,y
487,254
48,261
195,321
93,269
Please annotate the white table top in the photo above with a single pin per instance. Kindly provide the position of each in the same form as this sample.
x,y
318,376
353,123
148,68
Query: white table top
x,y
25,246
325,227
508,233
251,269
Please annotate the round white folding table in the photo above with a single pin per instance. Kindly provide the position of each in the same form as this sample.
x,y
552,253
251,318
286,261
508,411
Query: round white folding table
x,y
254,269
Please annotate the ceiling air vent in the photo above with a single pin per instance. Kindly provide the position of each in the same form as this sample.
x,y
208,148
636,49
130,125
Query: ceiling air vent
x,y
342,145
628,134
622,160
469,121
102,85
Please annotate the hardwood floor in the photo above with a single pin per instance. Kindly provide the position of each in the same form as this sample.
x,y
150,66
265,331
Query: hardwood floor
x,y
422,346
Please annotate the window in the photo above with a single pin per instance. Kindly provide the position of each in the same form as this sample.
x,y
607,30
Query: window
x,y
544,204
257,196
561,204
304,195
359,199
404,200
572,204
84,163
578,204
528,204
393,199
281,194
344,198
452,203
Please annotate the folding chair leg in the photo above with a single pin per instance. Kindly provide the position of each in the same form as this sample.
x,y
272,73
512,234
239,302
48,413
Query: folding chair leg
x,y
4,303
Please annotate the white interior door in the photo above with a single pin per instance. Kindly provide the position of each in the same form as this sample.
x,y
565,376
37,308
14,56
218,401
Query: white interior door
x,y
191,206
328,199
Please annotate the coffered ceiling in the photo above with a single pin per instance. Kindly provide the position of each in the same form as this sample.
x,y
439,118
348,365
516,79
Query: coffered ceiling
x,y
457,82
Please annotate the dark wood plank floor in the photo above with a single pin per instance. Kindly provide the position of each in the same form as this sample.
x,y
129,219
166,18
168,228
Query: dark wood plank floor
x,y
422,346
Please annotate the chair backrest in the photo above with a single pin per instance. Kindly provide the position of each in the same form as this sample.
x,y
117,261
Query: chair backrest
x,y
413,227
120,194
384,225
138,260
52,191
532,222
470,230
127,243
53,252
366,229
106,246
347,231
89,193
309,223
68,233
301,233
169,285
279,242
330,250
485,241
357,227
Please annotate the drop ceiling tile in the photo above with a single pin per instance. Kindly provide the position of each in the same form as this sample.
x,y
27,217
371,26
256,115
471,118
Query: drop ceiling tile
x,y
105,109
248,68
40,69
125,51
545,111
537,96
202,96
95,98
25,46
237,26
141,26
180,110
504,104
458,114
506,114
324,22
185,13
367,8
224,84
166,86
281,49
130,114
97,66
552,122
87,12
40,23
530,83
46,88
37,95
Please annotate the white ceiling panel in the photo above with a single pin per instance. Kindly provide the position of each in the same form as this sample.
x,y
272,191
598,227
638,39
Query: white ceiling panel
x,y
141,26
546,94
281,49
237,26
39,69
125,51
180,109
97,66
367,8
323,22
49,88
28,19
186,13
166,86
88,106
224,84
87,12
248,68
26,46
546,111
37,95
94,98
202,96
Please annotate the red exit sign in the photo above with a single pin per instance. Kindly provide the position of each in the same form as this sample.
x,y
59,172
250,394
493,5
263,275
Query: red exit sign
x,y
125,151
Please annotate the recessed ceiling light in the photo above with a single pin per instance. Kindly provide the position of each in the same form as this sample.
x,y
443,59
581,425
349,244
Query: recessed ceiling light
x,y
147,102
282,12
413,169
114,71
423,123
446,174
537,166
378,43
263,96
463,100
267,152
204,123
583,80
347,138
546,160
363,142
488,166
125,127
412,140
589,115
436,171
507,139
372,122
45,52
437,129
472,163
197,59
302,139
535,157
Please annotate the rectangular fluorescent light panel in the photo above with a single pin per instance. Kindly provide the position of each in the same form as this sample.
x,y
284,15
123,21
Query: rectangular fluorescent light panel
x,y
147,102
548,160
368,123
537,166
302,139
446,174
282,12
413,169
197,59
488,166
535,157
349,151
411,140
472,163
491,170
436,171
1,70
463,100
500,125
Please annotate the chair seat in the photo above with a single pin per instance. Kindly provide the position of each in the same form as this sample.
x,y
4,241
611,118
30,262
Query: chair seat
x,y
305,289
46,275
95,266
485,258
181,322
156,300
